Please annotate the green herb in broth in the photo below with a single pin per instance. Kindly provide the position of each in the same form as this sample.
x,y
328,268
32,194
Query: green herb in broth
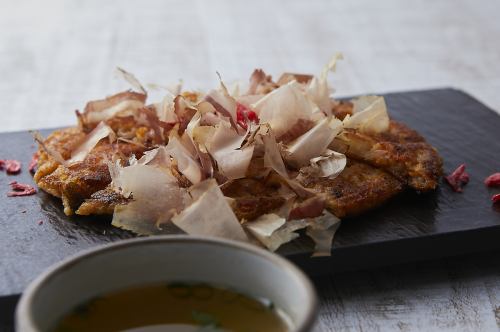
x,y
179,307
204,319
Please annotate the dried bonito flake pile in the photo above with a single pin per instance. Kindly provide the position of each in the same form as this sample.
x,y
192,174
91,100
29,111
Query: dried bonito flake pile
x,y
202,145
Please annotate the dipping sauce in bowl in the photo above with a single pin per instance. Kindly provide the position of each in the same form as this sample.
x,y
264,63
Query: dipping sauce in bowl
x,y
175,307
170,283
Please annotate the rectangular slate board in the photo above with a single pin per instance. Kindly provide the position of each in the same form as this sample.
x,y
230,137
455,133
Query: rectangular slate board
x,y
410,227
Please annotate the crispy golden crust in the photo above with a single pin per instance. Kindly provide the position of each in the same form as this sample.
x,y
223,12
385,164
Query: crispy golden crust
x,y
78,182
101,202
359,188
400,151
64,141
399,133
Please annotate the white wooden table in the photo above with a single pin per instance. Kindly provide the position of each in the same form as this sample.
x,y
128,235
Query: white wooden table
x,y
56,55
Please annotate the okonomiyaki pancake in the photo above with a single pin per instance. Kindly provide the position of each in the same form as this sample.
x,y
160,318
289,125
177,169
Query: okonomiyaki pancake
x,y
254,164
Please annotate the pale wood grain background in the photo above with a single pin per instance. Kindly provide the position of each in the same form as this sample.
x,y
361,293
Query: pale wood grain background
x,y
56,55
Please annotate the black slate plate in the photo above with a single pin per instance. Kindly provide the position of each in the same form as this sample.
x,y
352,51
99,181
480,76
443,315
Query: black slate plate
x,y
410,227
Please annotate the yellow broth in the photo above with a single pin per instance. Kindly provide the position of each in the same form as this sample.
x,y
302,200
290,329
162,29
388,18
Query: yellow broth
x,y
178,307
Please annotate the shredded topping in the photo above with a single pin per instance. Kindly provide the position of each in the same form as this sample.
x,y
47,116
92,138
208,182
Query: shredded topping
x,y
209,214
284,107
90,141
318,90
314,142
131,79
156,197
369,115
121,104
272,232
322,231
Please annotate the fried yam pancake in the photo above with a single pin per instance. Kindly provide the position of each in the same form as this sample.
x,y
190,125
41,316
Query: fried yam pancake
x,y
84,188
357,189
400,151
379,167
74,184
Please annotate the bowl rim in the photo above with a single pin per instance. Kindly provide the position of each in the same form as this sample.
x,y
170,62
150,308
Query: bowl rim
x,y
24,308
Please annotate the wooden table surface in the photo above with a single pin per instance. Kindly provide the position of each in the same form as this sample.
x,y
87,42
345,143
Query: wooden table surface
x,y
56,55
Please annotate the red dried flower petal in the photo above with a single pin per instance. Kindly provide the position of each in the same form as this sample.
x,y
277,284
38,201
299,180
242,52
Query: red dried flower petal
x,y
11,166
493,180
33,163
495,198
20,189
458,178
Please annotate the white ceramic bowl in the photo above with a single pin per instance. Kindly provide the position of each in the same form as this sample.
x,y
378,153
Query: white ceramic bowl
x,y
141,261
